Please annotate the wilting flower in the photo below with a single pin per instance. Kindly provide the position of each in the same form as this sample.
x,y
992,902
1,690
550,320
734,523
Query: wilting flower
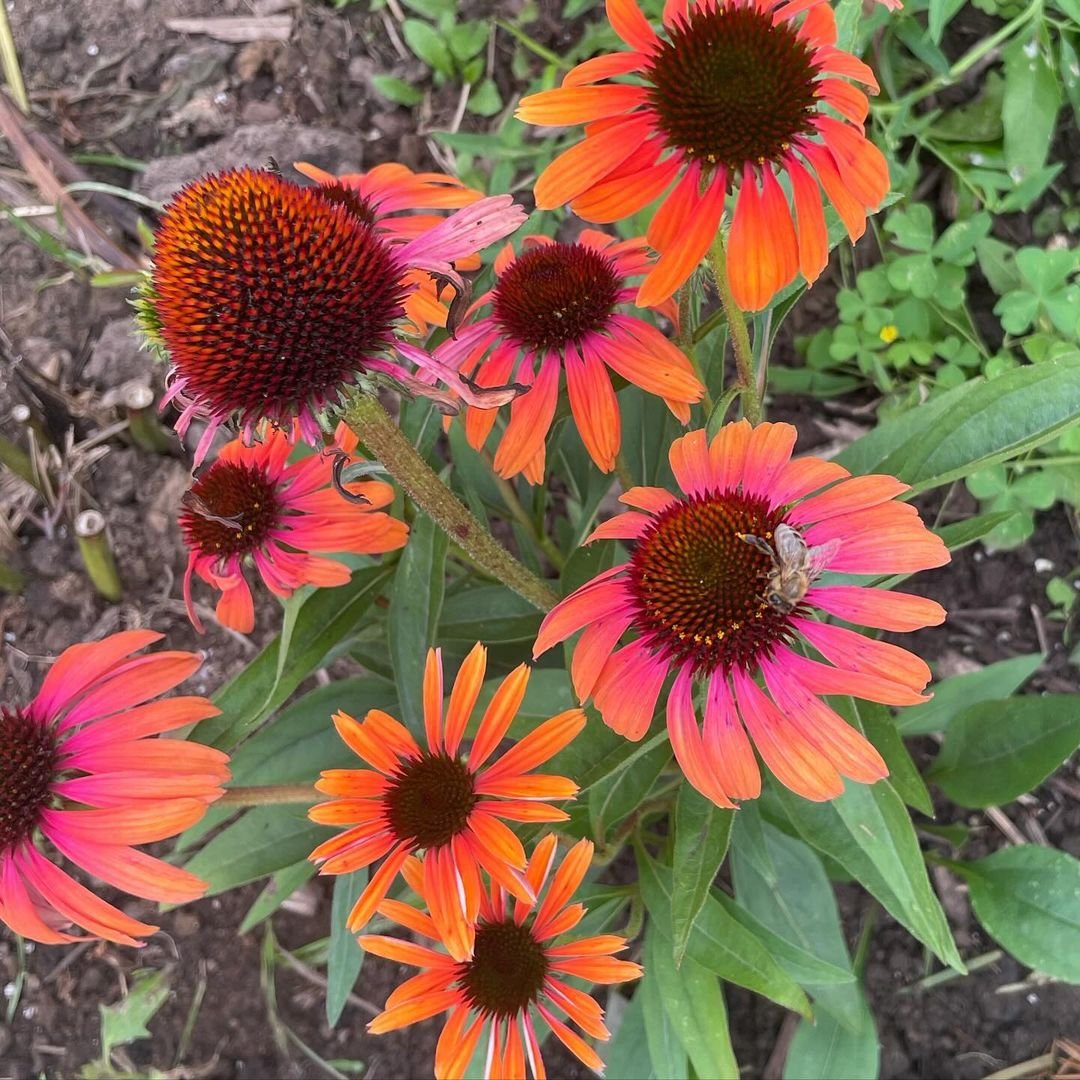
x,y
727,98
416,799
514,969
703,595
389,196
78,768
555,308
251,504
272,298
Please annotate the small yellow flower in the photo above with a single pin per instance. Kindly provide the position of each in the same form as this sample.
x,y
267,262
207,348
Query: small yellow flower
x,y
888,333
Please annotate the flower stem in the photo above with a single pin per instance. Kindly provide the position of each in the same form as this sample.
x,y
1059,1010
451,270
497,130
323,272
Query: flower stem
x,y
376,429
97,556
269,794
740,336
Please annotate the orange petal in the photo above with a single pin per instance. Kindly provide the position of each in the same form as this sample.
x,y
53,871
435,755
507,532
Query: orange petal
x,y
463,697
538,746
853,651
627,689
498,716
654,500
413,1012
727,746
631,25
581,104
681,257
862,165
687,743
577,169
363,743
796,763
377,887
433,700
530,419
879,608
845,99
593,650
812,231
568,876
763,252
630,188
593,405
606,66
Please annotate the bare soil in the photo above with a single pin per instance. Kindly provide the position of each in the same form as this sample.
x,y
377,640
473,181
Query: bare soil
x,y
108,76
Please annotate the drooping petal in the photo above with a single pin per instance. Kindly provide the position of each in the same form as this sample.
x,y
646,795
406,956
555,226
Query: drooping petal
x,y
881,609
763,252
687,744
627,689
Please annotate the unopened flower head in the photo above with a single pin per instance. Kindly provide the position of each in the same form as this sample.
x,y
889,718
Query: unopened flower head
x,y
431,799
727,99
515,973
720,588
83,780
271,299
252,506
556,309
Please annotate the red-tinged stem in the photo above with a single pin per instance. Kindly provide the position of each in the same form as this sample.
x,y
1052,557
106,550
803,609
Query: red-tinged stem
x,y
740,335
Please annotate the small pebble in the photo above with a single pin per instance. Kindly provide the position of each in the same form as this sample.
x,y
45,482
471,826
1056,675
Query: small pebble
x,y
1043,566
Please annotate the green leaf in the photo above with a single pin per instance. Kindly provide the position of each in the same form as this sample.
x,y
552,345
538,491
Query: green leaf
x,y
346,957
414,614
781,884
126,1021
879,727
666,1053
961,533
260,842
973,425
868,831
428,45
702,831
324,622
488,613
1028,899
828,1051
1030,106
397,90
998,750
485,99
585,563
612,800
718,942
627,1055
276,891
953,695
694,1004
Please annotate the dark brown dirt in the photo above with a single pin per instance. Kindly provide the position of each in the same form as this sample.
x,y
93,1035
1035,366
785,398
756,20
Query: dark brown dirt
x,y
110,76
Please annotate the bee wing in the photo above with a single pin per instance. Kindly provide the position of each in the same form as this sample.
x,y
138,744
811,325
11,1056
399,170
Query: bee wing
x,y
818,558
790,546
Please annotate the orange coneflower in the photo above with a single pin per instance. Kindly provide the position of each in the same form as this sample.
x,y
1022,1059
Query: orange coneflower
x,y
701,596
78,768
251,504
727,99
514,969
554,309
271,299
416,799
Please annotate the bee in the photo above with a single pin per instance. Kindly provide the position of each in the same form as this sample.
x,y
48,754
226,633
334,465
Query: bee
x,y
795,565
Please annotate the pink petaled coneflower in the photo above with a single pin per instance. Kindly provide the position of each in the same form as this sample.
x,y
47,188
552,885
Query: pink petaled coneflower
x,y
79,769
704,595
273,299
516,970
555,309
433,798
251,504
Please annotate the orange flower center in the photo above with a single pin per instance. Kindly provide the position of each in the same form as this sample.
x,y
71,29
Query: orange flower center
x,y
27,770
507,971
271,295
731,88
230,510
554,295
700,590
430,800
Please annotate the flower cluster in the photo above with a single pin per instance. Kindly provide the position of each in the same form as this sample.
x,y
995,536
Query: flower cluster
x,y
281,305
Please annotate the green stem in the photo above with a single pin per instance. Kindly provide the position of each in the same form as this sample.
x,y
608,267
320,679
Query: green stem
x,y
376,429
686,340
523,518
97,556
269,795
740,335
